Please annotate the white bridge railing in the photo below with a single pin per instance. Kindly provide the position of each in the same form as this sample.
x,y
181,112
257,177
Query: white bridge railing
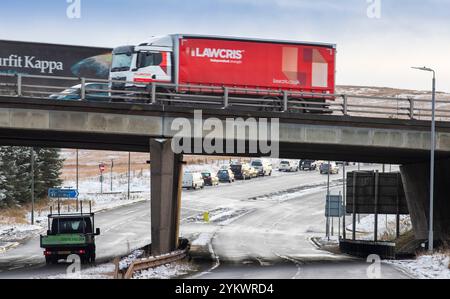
x,y
201,96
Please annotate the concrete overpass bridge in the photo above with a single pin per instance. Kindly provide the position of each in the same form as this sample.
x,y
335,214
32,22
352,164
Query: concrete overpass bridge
x,y
148,127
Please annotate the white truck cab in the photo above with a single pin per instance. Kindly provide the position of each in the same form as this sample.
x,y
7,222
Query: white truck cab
x,y
148,62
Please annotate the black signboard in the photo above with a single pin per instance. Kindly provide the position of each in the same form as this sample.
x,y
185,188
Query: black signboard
x,y
364,199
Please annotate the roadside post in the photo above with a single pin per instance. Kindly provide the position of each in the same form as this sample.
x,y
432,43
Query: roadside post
x,y
344,235
111,174
101,167
129,171
328,194
77,175
32,186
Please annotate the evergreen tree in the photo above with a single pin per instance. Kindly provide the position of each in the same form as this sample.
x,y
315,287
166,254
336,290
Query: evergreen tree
x,y
3,189
9,174
47,170
22,183
15,173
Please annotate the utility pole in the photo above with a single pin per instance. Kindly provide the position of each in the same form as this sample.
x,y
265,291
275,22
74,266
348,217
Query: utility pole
x,y
344,200
359,218
77,177
32,185
129,173
328,201
432,150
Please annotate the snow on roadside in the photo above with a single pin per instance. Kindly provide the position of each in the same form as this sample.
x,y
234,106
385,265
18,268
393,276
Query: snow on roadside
x,y
103,271
220,216
435,266
297,192
203,239
324,241
17,232
168,271
385,229
12,235
128,260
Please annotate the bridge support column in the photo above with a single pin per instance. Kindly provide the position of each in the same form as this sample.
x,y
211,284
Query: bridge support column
x,y
166,167
416,183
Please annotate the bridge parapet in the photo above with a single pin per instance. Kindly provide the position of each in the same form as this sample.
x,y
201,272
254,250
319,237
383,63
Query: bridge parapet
x,y
231,98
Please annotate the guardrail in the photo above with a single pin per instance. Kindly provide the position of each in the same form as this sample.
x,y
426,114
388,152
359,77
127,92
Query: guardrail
x,y
227,97
154,261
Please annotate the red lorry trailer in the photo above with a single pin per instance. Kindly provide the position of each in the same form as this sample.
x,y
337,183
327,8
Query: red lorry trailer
x,y
228,62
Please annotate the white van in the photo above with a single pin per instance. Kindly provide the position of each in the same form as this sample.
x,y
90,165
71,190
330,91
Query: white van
x,y
193,180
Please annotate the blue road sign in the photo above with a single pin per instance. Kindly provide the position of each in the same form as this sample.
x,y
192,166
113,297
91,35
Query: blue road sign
x,y
62,193
334,206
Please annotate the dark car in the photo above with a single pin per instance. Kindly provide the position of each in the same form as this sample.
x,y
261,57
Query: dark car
x,y
93,92
225,175
308,165
241,171
210,179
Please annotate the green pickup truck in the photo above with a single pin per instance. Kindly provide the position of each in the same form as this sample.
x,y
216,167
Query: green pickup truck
x,y
70,234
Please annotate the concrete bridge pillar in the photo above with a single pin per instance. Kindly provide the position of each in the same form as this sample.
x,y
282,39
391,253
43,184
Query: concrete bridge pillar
x,y
416,183
166,176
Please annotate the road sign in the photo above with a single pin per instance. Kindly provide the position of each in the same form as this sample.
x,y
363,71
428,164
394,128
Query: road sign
x,y
361,197
62,193
102,167
334,206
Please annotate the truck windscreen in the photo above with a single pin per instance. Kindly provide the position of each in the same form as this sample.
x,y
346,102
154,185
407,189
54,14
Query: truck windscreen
x,y
121,62
71,225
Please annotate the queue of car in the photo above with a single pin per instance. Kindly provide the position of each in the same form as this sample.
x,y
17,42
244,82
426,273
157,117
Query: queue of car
x,y
305,164
227,174
239,170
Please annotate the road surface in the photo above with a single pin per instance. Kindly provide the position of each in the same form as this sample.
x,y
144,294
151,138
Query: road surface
x,y
275,242
275,232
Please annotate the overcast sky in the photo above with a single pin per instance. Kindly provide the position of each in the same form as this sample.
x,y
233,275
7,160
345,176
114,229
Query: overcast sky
x,y
371,51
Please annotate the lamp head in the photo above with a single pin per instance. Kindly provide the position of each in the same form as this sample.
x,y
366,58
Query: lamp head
x,y
424,68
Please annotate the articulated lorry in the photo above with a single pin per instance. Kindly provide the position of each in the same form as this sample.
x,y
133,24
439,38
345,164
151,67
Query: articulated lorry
x,y
218,61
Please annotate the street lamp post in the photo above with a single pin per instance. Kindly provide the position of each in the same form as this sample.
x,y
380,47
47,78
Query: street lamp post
x,y
433,146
